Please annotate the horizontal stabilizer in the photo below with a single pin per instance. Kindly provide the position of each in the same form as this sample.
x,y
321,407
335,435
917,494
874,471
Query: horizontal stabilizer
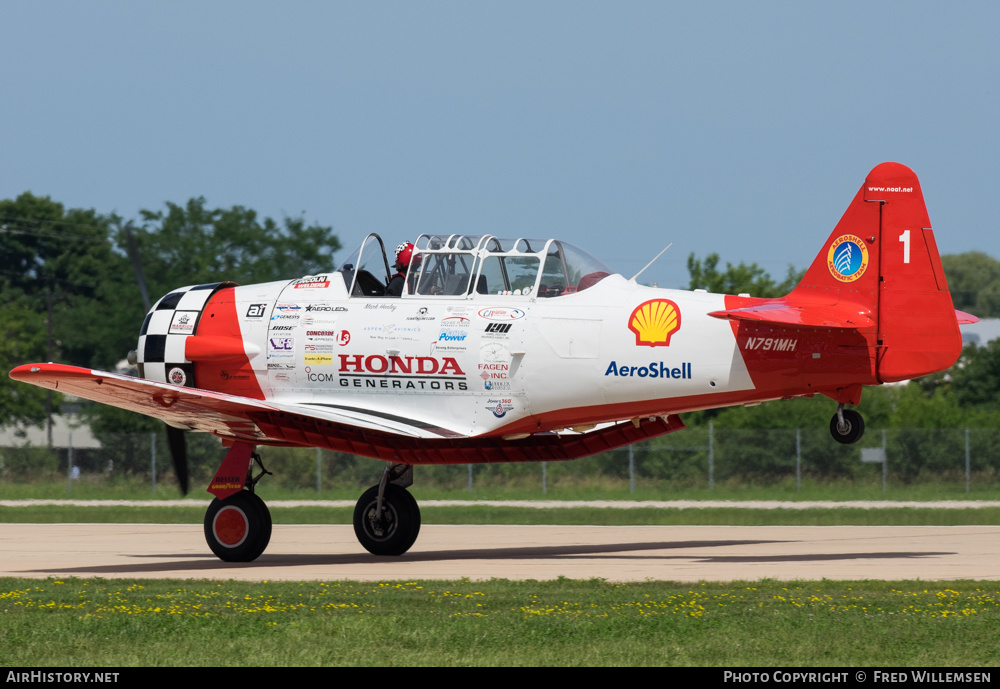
x,y
784,315
965,318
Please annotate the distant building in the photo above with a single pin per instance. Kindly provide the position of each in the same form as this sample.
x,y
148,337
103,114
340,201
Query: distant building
x,y
982,332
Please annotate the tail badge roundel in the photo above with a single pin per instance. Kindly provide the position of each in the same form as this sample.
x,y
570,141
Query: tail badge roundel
x,y
654,321
847,259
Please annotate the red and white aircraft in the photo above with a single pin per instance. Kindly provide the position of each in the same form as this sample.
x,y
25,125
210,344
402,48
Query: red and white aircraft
x,y
516,350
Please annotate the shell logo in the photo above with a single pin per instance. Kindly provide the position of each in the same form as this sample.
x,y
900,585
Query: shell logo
x,y
654,321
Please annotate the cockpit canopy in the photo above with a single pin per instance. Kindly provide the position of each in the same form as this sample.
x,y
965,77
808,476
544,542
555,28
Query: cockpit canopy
x,y
457,265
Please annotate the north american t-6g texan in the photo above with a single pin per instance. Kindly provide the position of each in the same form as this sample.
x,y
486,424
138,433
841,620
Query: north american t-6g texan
x,y
515,350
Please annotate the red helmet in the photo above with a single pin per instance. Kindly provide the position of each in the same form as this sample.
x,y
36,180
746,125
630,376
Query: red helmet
x,y
404,253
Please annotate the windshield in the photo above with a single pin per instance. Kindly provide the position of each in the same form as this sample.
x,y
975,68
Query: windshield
x,y
481,264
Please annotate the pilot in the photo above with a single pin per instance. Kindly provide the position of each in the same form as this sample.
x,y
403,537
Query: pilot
x,y
404,253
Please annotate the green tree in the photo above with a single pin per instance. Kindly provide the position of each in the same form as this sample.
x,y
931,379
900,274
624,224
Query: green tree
x,y
742,278
194,244
974,282
61,263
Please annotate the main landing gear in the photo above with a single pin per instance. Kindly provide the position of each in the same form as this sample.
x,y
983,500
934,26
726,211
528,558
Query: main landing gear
x,y
238,528
847,426
386,518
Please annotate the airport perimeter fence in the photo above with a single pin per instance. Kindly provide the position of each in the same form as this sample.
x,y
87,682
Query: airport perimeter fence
x,y
701,457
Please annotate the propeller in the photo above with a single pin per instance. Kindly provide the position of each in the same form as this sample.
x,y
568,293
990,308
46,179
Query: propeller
x,y
178,453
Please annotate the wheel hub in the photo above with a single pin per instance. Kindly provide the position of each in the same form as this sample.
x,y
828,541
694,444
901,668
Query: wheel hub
x,y
230,527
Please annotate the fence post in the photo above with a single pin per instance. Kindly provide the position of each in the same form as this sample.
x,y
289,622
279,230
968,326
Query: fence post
x,y
885,461
631,470
798,460
69,464
711,457
967,474
152,458
319,470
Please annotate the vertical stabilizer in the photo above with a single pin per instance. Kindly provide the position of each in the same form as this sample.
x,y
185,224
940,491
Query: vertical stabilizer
x,y
881,262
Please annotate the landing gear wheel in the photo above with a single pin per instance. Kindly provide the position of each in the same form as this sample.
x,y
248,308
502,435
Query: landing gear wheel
x,y
238,528
396,530
851,430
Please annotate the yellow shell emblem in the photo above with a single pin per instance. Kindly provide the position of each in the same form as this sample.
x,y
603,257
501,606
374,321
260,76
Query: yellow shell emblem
x,y
654,321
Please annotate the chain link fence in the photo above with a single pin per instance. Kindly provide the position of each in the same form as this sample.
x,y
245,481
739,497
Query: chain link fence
x,y
698,457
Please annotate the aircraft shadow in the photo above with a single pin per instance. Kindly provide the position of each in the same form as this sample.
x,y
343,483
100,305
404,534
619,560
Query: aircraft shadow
x,y
210,564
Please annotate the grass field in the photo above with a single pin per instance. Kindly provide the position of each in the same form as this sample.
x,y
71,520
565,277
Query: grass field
x,y
97,623
115,623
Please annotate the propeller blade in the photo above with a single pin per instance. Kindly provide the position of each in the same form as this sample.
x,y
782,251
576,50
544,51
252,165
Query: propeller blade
x,y
178,453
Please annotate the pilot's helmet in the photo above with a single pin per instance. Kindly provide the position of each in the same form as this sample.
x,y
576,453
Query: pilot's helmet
x,y
404,253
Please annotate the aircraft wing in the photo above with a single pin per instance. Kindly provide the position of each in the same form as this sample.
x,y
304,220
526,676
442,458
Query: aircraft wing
x,y
337,427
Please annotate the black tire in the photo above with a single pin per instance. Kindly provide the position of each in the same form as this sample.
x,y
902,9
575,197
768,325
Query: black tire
x,y
399,526
854,427
238,528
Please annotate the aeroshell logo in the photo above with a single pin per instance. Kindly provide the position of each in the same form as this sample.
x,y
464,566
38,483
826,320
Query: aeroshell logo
x,y
501,314
847,259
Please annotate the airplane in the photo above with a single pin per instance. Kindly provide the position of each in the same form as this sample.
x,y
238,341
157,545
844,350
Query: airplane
x,y
515,350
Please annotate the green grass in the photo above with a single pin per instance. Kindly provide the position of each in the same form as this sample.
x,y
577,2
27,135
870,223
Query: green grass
x,y
104,623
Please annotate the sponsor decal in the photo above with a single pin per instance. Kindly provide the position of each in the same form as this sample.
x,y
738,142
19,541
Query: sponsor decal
x,y
320,308
318,348
422,315
280,347
499,407
177,376
226,375
847,259
343,338
280,367
288,308
454,331
770,344
312,282
654,369
183,323
256,310
319,359
391,331
283,378
321,334
285,317
282,327
501,314
383,306
400,372
498,327
496,371
496,385
653,322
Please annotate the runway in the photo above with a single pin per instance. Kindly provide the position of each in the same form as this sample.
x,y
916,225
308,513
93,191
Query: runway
x,y
615,553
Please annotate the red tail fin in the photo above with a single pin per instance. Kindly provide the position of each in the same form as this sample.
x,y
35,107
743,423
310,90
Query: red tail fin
x,y
881,262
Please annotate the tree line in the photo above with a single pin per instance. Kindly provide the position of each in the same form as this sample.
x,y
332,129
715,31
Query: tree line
x,y
69,292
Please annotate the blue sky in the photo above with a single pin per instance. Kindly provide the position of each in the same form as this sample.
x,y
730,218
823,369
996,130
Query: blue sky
x,y
732,127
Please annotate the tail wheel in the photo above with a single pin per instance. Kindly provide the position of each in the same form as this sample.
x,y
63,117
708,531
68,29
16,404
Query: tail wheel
x,y
394,530
238,528
851,430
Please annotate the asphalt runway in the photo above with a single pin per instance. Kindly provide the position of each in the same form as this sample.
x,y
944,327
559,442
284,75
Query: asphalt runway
x,y
615,553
